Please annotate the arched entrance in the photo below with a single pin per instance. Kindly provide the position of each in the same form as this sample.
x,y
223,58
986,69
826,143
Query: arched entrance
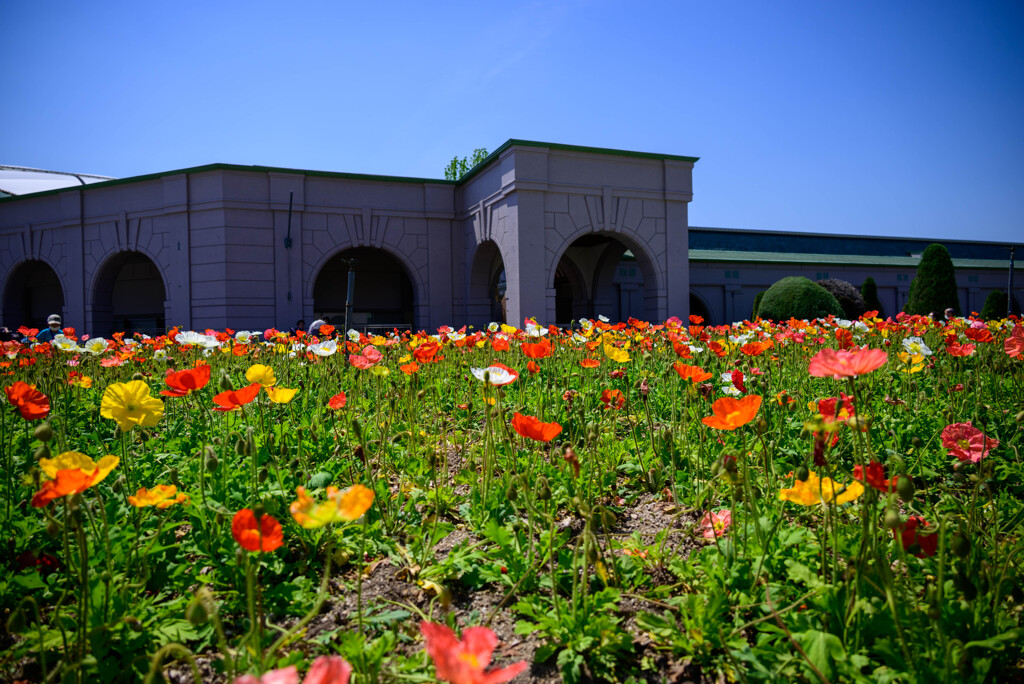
x,y
33,292
487,286
600,275
383,292
128,296
699,308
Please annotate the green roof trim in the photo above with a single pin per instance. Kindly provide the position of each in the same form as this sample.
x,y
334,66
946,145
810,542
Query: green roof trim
x,y
710,255
355,176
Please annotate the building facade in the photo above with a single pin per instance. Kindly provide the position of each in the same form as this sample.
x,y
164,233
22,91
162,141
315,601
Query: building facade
x,y
552,231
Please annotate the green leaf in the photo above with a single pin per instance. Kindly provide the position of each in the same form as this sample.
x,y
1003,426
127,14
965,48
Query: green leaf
x,y
822,649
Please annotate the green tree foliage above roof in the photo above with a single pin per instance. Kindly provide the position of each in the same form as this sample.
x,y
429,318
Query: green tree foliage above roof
x,y
799,298
934,287
457,168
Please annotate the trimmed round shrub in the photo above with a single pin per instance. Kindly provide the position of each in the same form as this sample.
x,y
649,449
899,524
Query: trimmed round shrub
x,y
757,304
995,306
934,287
847,295
796,297
869,291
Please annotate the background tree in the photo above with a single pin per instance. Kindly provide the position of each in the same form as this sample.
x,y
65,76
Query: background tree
x,y
995,306
757,304
869,291
457,168
934,287
847,295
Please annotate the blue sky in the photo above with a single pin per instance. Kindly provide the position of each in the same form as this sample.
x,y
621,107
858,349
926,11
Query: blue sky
x,y
885,118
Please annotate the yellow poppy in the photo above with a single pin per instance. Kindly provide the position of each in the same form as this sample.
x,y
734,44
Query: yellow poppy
x,y
616,354
814,491
280,395
341,506
161,496
129,404
264,375
74,460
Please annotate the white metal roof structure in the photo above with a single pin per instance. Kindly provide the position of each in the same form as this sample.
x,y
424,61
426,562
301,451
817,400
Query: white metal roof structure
x,y
21,180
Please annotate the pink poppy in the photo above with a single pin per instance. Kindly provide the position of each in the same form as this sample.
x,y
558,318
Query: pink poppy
x,y
966,442
714,525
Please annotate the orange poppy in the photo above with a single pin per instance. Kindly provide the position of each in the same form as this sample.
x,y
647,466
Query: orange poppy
x,y
187,381
537,350
233,399
694,374
337,401
31,403
613,399
426,352
590,363
530,427
533,367
265,535
731,413
499,344
409,368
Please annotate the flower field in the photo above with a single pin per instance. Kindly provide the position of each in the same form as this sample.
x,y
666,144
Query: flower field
x,y
634,502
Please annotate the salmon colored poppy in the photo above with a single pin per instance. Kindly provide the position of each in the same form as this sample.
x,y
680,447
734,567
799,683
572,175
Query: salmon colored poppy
x,y
30,402
832,363
337,401
185,382
466,661
341,506
265,535
694,374
234,399
731,413
537,350
160,496
590,363
532,428
613,399
966,442
1014,344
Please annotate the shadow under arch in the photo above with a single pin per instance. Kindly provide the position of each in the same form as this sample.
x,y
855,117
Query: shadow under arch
x,y
621,278
128,295
32,292
485,301
698,307
384,292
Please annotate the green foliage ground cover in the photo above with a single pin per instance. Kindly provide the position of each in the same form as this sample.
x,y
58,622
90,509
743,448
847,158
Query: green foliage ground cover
x,y
750,567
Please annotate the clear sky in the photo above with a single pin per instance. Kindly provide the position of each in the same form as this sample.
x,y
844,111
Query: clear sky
x,y
872,117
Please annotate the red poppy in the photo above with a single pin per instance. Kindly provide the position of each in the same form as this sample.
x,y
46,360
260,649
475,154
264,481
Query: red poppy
x,y
978,334
875,477
337,401
696,320
737,380
499,344
960,349
533,367
613,399
265,535
921,545
233,399
530,427
187,381
537,350
31,403
682,350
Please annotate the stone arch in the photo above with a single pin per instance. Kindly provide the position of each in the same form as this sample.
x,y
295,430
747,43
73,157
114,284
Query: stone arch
x,y
387,294
129,295
599,271
32,292
699,307
485,300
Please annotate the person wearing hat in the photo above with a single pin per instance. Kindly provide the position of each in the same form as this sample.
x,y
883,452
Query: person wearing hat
x,y
52,329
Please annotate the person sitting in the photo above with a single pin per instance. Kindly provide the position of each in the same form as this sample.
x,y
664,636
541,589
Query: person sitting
x,y
52,329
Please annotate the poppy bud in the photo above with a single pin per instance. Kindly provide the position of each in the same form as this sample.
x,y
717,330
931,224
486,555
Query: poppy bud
x,y
259,510
543,489
212,463
196,612
737,493
118,484
1019,417
892,519
421,394
43,432
16,621
761,425
52,529
905,488
240,448
106,577
512,492
144,436
138,376
42,452
224,382
802,473
916,441
134,624
357,430
264,474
